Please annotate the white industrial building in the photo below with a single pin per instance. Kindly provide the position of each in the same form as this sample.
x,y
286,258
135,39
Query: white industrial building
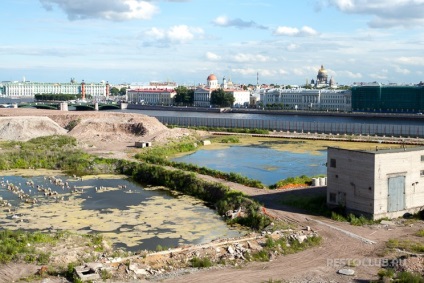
x,y
376,183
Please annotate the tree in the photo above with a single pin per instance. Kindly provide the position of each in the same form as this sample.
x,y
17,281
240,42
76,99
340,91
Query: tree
x,y
221,98
123,91
184,95
114,91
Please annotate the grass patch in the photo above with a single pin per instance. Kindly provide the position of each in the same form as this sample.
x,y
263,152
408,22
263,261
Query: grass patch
x,y
405,245
284,246
227,130
313,204
197,262
229,140
300,180
318,205
20,245
420,233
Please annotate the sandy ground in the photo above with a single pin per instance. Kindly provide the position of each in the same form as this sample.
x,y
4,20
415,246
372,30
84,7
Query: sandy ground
x,y
318,264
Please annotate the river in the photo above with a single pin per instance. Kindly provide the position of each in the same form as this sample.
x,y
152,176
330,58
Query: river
x,y
289,118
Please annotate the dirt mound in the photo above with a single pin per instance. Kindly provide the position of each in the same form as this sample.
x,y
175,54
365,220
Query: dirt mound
x,y
27,127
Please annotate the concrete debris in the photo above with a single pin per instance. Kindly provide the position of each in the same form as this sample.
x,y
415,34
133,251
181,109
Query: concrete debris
x,y
346,271
86,273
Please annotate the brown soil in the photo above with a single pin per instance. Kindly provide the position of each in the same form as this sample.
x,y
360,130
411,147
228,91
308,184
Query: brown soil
x,y
114,134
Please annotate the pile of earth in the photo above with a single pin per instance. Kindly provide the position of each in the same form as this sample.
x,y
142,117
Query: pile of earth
x,y
95,131
27,127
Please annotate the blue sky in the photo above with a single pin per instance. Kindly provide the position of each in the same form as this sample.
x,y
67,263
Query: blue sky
x,y
124,41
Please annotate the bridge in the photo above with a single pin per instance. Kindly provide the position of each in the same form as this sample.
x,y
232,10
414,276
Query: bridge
x,y
76,106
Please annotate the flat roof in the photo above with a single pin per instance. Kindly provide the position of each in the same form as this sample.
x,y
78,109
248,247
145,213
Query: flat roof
x,y
377,150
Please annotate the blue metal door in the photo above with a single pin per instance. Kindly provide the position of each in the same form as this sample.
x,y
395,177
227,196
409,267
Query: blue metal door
x,y
396,197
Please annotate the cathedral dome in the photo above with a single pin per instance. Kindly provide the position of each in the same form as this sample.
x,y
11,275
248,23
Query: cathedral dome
x,y
322,76
322,72
212,77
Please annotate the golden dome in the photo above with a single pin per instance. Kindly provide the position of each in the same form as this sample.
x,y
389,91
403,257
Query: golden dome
x,y
322,70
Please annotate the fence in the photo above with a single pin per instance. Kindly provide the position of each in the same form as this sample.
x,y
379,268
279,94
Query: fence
x,y
312,127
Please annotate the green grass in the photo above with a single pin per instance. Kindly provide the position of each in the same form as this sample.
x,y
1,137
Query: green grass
x,y
300,180
405,245
318,205
228,130
284,246
420,233
20,245
201,262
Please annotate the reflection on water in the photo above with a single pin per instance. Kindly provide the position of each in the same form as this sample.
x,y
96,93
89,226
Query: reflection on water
x,y
129,215
258,162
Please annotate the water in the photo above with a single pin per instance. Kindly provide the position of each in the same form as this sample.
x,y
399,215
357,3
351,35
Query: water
x,y
131,216
261,163
289,118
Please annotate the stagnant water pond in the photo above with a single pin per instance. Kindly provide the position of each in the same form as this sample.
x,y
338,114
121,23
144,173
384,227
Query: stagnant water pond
x,y
261,163
129,215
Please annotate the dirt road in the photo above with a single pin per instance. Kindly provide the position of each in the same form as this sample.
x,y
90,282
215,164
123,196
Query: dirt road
x,y
318,264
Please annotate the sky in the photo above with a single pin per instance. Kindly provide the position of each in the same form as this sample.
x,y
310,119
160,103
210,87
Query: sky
x,y
284,41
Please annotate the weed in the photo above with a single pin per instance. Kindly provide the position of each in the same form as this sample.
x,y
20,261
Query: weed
x,y
420,233
201,262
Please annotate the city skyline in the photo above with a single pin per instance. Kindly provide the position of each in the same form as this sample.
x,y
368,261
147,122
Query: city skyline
x,y
184,41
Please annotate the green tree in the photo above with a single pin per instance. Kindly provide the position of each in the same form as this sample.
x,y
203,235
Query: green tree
x,y
123,91
114,91
184,96
221,98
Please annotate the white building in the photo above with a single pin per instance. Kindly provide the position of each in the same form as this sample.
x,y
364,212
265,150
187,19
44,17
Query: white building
x,y
152,96
378,183
30,89
202,94
308,99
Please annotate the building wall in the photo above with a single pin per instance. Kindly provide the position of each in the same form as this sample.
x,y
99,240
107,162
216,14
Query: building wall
x,y
401,163
151,97
17,89
361,178
308,99
349,180
390,99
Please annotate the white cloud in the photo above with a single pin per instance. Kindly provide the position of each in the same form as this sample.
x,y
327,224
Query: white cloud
x,y
418,61
243,57
292,31
212,56
402,70
114,10
224,21
378,76
283,72
406,13
245,71
176,35
351,75
292,47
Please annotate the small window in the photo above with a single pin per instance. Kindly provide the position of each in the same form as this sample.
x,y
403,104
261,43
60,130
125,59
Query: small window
x,y
422,173
333,163
333,197
422,158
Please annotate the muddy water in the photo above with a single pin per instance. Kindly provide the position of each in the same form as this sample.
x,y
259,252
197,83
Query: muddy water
x,y
127,214
261,163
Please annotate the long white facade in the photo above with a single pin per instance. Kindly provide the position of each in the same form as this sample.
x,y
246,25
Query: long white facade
x,y
30,89
151,96
308,99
